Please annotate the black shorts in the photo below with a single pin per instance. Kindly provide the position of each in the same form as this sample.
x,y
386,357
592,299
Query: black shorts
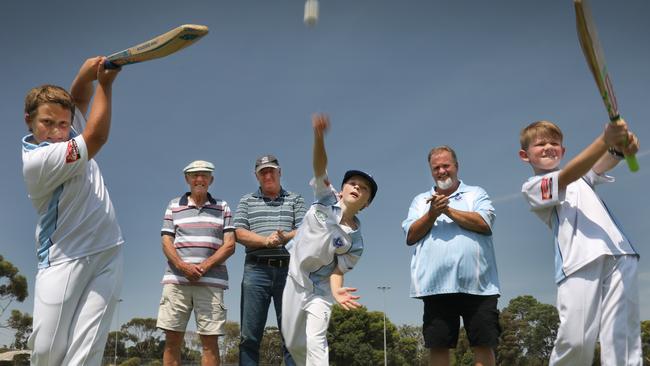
x,y
441,320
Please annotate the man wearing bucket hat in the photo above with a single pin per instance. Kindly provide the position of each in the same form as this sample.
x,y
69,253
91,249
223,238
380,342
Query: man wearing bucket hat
x,y
327,245
265,220
197,238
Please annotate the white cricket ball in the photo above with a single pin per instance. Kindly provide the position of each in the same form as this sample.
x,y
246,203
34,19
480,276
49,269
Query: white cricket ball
x,y
311,12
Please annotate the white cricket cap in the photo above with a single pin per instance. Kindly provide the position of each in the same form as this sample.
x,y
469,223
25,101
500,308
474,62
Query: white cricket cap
x,y
199,166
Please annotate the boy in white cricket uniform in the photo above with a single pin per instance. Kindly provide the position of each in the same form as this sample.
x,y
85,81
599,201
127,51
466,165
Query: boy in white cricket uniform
x,y
328,244
78,237
595,264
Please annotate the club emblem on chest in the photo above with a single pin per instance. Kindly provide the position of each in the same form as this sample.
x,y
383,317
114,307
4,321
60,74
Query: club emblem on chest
x,y
320,215
338,242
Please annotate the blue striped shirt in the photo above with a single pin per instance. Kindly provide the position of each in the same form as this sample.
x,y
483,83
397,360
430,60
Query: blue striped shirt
x,y
263,216
449,258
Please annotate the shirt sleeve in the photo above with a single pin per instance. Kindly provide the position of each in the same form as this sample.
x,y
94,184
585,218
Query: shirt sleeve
x,y
168,227
241,215
416,210
593,179
299,211
227,218
542,191
543,195
79,122
483,206
324,192
347,261
51,165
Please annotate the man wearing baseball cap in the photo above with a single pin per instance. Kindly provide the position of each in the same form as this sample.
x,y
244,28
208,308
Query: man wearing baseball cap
x,y
197,238
265,220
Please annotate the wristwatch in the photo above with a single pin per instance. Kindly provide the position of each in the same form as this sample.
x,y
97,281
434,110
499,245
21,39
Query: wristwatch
x,y
615,153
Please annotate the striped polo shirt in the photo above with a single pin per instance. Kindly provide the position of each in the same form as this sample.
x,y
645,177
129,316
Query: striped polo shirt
x,y
263,216
198,233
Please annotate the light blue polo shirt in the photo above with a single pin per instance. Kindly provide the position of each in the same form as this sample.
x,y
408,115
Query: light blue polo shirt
x,y
450,259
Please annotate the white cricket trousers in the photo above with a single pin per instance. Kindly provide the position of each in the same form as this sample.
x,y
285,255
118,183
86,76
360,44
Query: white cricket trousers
x,y
73,309
304,325
601,298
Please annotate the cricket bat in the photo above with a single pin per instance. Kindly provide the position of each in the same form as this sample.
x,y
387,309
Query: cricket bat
x,y
596,60
161,46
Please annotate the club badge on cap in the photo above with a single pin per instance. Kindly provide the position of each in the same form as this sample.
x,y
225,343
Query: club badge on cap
x,y
199,166
266,161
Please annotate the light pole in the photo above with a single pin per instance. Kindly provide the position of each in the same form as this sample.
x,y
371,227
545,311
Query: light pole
x,y
383,290
117,324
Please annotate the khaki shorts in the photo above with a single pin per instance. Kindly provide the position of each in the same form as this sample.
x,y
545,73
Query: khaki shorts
x,y
177,302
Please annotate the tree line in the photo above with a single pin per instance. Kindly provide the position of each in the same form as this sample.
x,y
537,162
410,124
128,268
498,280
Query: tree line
x,y
355,337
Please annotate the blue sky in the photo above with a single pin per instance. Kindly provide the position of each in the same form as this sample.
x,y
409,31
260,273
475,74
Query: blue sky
x,y
396,77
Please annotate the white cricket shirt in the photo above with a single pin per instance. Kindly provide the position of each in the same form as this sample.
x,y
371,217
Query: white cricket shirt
x,y
583,227
76,216
321,243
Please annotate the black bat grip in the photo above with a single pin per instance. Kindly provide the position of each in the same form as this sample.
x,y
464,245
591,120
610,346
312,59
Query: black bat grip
x,y
110,66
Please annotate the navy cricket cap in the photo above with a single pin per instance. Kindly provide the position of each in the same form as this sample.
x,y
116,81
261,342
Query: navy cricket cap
x,y
373,185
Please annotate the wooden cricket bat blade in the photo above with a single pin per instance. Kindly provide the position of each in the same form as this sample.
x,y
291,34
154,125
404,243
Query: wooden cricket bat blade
x,y
595,57
161,46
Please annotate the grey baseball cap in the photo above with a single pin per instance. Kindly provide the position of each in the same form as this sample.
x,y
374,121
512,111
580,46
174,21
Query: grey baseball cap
x,y
266,161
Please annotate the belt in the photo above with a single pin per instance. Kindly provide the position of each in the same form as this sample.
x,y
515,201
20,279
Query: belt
x,y
267,261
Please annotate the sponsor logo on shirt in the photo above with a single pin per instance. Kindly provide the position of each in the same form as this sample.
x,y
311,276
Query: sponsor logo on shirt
x,y
72,154
546,185
458,196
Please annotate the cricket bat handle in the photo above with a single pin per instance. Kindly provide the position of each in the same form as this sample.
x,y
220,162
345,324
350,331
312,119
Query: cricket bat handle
x,y
110,66
631,161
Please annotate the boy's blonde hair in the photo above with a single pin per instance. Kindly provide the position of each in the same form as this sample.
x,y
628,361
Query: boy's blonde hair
x,y
47,94
539,129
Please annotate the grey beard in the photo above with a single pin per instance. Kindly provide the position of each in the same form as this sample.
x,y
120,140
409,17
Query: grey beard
x,y
444,184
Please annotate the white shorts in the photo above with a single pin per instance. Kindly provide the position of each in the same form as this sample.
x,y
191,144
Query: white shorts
x,y
178,301
305,318
73,309
599,301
